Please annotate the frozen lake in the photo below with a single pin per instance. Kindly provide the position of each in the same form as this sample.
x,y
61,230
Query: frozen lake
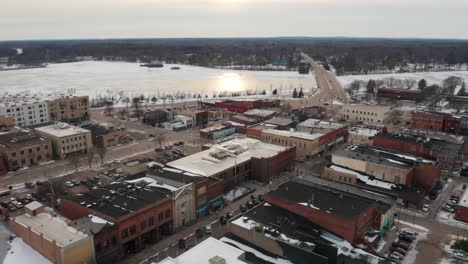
x,y
96,77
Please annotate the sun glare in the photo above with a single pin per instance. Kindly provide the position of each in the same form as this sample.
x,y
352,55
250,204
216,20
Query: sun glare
x,y
232,82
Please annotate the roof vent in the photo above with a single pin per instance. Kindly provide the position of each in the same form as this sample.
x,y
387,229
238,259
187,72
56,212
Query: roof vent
x,y
217,260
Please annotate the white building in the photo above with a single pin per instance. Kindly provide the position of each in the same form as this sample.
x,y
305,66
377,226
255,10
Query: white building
x,y
26,112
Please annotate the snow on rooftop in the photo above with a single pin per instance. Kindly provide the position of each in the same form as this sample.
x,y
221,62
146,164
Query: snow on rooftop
x,y
20,252
345,248
238,150
302,135
208,249
99,220
154,183
317,123
259,112
62,130
364,178
363,131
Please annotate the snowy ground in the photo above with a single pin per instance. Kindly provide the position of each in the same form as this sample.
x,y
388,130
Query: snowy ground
x,y
235,193
447,218
21,252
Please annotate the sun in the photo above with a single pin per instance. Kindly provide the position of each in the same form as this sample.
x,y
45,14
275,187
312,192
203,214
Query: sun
x,y
232,82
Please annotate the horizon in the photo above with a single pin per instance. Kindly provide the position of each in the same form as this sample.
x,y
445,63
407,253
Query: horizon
x,y
136,19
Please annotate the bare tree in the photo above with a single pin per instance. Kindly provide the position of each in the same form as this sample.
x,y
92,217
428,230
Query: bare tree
x,y
101,151
122,113
353,88
160,138
451,83
74,161
91,153
136,105
409,83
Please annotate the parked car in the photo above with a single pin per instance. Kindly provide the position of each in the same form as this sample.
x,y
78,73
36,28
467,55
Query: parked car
x,y
460,256
11,208
208,229
223,220
243,208
448,208
18,205
409,232
425,208
159,149
464,172
261,198
255,201
4,204
406,238
230,215
75,182
69,184
250,204
182,243
396,253
399,250
199,232
401,244
394,257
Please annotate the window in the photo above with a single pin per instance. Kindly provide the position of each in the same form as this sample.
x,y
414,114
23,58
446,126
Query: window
x,y
105,244
161,216
167,214
29,150
22,152
202,190
143,224
38,149
132,229
151,221
114,240
125,233
13,154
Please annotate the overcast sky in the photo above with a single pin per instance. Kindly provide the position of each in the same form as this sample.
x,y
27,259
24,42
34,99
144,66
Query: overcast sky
x,y
65,19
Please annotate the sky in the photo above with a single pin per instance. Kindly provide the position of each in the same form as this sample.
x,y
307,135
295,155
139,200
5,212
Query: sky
x,y
90,19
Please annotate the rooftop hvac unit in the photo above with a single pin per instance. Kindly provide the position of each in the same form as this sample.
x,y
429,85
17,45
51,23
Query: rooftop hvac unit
x,y
217,260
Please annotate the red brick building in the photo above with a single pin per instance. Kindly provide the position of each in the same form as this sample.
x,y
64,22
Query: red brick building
x,y
342,214
400,94
139,215
241,106
155,117
3,169
442,122
461,211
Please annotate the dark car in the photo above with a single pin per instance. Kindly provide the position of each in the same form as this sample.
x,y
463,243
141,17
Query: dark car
x,y
250,204
464,172
401,244
182,243
255,201
223,220
261,198
11,208
75,182
230,215
243,208
159,149
406,238
399,250
4,204
199,232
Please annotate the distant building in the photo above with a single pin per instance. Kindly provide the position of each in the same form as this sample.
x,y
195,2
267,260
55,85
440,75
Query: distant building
x,y
243,105
26,112
282,123
375,114
21,149
155,117
180,122
105,136
461,209
260,115
217,132
449,154
359,135
255,131
199,117
400,94
51,236
139,215
242,119
239,159
68,108
6,121
66,139
443,122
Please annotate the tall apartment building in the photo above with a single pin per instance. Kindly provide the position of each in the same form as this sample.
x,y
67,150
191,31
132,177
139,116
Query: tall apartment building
x,y
66,139
376,114
21,149
68,108
25,112
33,110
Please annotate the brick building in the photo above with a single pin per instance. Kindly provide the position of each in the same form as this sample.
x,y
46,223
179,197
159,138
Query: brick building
x,y
442,122
449,154
69,109
461,210
105,136
51,236
399,94
3,167
217,132
138,215
199,117
243,105
260,115
155,117
6,121
255,131
20,149
242,119
346,215
238,160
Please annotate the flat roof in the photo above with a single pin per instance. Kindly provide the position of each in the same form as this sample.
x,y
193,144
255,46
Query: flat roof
x,y
362,131
293,134
245,118
331,201
260,112
120,198
62,130
213,128
280,121
221,157
361,152
20,138
207,249
317,123
54,228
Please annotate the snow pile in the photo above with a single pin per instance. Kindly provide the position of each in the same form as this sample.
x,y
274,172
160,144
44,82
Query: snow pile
x,y
309,205
236,193
364,178
20,252
99,220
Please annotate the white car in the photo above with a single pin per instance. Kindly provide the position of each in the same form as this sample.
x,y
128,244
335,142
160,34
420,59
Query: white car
x,y
425,208
208,229
69,184
459,256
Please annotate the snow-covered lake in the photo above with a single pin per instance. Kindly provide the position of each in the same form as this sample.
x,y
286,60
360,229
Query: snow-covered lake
x,y
97,77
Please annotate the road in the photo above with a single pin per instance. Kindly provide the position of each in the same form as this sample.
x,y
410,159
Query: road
x,y
330,87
